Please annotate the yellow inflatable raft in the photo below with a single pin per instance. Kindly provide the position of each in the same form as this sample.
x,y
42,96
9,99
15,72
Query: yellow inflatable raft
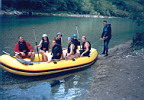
x,y
11,64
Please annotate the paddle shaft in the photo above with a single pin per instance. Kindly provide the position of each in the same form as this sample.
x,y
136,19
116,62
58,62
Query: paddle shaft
x,y
36,44
78,34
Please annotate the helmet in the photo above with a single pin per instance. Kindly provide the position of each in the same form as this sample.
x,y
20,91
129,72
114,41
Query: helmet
x,y
59,33
74,35
44,35
69,38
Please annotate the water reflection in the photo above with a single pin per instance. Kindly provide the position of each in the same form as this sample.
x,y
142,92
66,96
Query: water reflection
x,y
66,87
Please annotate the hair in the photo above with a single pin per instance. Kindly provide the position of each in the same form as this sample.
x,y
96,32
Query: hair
x,y
46,38
20,36
105,21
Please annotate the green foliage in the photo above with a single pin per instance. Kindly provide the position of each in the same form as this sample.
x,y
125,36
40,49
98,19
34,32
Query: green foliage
x,y
119,8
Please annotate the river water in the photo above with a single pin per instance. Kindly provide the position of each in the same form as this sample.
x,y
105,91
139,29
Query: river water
x,y
68,87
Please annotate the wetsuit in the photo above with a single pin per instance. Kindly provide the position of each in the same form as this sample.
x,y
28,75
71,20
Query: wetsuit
x,y
84,48
106,33
56,52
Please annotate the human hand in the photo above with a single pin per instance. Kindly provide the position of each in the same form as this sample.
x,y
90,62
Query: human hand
x,y
22,53
101,39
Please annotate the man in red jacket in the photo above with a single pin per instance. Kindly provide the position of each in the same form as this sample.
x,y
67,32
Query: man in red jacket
x,y
23,49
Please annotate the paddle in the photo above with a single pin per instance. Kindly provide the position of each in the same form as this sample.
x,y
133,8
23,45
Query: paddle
x,y
18,59
36,43
77,31
78,35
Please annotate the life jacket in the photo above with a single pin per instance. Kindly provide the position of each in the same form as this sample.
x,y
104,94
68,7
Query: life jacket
x,y
23,47
45,45
69,49
75,42
58,40
84,48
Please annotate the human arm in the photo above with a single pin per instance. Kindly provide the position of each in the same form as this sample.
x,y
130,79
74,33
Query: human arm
x,y
16,48
30,47
87,49
40,44
71,50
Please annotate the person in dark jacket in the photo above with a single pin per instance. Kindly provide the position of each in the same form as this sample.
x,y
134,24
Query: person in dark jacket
x,y
23,49
75,41
44,47
56,50
59,38
106,36
86,47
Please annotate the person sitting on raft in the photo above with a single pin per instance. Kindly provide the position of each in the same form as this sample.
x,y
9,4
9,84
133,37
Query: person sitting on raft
x,y
56,50
71,50
23,49
86,47
44,47
59,38
75,41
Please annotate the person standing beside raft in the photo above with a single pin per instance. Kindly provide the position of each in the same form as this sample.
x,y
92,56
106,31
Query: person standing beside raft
x,y
106,36
44,46
23,49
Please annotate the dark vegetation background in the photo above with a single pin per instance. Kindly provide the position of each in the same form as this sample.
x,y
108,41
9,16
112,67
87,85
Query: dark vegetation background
x,y
118,8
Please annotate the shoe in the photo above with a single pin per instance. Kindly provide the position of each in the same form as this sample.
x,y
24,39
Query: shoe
x,y
102,53
105,55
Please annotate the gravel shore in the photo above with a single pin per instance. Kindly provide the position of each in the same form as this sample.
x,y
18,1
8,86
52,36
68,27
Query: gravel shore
x,y
120,76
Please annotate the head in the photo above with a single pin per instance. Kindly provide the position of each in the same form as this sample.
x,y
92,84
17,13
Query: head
x,y
83,38
21,38
69,39
74,36
59,35
105,22
45,37
54,42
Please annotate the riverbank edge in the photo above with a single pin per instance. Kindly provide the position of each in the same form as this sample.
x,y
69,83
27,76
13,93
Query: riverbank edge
x,y
29,14
105,72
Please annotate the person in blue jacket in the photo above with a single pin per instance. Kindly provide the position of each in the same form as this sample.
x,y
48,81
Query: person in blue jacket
x,y
106,36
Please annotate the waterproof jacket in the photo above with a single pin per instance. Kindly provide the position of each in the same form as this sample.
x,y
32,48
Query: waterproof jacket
x,y
107,32
23,47
56,51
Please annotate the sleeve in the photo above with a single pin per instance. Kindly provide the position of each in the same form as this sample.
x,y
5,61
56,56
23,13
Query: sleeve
x,y
103,33
30,47
16,48
55,53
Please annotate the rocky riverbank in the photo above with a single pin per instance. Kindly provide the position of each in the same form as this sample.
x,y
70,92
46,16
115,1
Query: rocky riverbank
x,y
119,76
30,14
